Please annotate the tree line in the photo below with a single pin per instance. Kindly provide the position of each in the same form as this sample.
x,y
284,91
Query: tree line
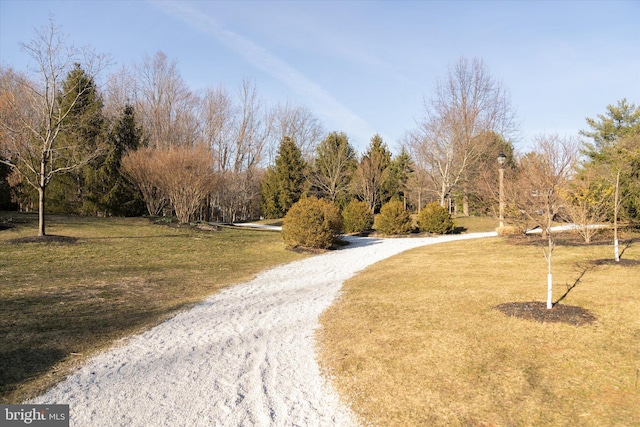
x,y
142,142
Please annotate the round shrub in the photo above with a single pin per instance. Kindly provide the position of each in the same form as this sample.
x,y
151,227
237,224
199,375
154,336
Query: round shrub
x,y
510,230
435,219
357,217
312,223
394,219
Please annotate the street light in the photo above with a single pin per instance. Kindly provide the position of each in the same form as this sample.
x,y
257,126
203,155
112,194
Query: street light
x,y
501,161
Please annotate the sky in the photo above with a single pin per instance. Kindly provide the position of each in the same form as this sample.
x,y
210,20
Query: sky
x,y
366,67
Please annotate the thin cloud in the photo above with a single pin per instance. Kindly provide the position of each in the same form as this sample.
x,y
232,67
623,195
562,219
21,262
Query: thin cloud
x,y
264,60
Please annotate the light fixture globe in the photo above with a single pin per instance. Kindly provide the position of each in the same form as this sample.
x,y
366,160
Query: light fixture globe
x,y
502,158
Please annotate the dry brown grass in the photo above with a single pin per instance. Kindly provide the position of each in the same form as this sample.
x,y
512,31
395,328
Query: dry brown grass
x,y
61,302
415,340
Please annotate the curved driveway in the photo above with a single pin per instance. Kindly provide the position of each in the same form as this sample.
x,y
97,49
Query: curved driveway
x,y
243,357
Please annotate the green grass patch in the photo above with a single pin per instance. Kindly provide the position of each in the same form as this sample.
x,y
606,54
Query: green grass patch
x,y
62,302
476,224
416,340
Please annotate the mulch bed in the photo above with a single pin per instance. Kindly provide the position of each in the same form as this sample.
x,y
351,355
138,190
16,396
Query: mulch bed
x,y
537,311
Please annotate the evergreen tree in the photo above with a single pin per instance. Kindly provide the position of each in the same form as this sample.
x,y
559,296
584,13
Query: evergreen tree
x,y
82,128
284,184
269,191
616,148
400,170
620,121
6,204
333,168
109,192
372,176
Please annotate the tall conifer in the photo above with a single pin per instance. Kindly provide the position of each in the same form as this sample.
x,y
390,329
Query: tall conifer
x,y
83,129
108,191
284,184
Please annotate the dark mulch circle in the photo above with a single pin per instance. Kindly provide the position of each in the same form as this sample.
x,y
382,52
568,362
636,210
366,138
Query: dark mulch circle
x,y
537,311
45,239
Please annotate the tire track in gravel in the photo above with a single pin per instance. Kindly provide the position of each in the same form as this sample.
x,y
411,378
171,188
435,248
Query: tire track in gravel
x,y
243,357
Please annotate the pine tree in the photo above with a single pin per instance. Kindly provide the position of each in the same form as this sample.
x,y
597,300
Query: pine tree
x,y
284,184
6,203
373,173
400,171
333,169
620,121
82,133
109,192
616,148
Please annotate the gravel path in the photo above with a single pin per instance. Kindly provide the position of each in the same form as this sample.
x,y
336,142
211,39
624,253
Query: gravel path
x,y
243,357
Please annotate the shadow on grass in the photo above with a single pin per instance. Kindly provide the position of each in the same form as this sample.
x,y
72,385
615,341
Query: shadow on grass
x,y
23,363
570,287
43,333
459,230
45,239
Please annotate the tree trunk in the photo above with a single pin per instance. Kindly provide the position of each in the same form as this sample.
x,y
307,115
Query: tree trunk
x,y
549,273
41,211
465,199
549,289
615,219
42,186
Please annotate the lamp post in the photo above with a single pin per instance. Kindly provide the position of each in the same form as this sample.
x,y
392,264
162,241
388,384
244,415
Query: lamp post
x,y
501,161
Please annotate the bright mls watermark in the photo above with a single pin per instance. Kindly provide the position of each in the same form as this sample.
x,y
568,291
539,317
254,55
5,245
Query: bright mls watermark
x,y
34,415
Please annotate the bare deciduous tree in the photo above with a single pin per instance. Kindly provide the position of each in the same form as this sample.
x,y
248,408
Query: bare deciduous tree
x,y
165,104
35,114
299,123
119,91
251,130
218,117
237,131
589,201
451,137
543,177
185,175
140,167
182,175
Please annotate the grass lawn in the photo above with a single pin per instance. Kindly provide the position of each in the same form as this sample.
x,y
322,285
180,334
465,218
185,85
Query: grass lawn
x,y
416,340
60,303
476,224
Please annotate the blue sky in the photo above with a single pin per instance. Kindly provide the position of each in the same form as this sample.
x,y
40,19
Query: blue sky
x,y
366,67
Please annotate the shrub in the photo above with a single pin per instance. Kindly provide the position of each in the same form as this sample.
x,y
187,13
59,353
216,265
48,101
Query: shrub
x,y
357,217
312,223
435,219
394,219
509,230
